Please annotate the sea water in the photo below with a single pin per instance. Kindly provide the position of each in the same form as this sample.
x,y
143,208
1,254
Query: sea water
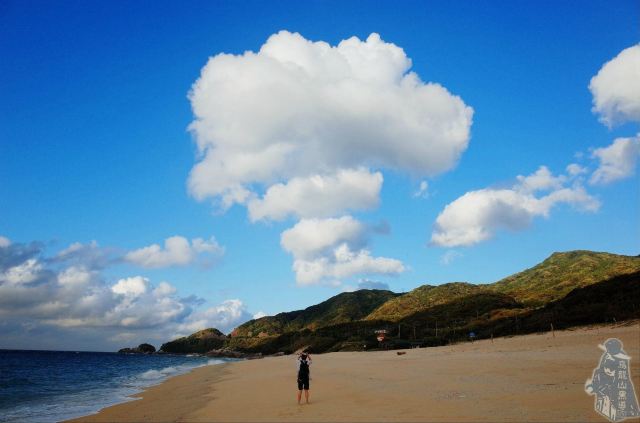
x,y
50,386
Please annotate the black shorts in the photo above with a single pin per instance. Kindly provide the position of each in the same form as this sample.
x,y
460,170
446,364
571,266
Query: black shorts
x,y
303,383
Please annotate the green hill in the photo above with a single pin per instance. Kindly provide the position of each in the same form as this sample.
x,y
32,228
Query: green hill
x,y
344,307
199,342
566,289
548,281
420,299
556,276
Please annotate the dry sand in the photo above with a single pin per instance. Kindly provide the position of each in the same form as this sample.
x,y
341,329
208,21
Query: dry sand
x,y
524,378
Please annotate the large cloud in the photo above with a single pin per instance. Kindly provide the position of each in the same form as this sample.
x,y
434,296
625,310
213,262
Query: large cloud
x,y
298,108
177,251
330,250
304,129
617,161
616,88
68,298
477,215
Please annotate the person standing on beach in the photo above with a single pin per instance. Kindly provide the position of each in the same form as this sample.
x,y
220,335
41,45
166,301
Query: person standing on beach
x,y
304,361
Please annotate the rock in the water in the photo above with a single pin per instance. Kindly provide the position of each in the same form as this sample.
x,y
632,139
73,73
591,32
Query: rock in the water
x,y
140,349
196,343
146,348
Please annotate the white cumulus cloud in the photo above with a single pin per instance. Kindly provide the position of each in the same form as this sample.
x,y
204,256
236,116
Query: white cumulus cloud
x,y
177,251
541,180
477,215
328,250
319,196
305,129
298,108
616,88
617,161
312,237
134,286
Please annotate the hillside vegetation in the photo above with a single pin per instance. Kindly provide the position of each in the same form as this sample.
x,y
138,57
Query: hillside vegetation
x,y
344,307
566,289
556,276
199,342
422,298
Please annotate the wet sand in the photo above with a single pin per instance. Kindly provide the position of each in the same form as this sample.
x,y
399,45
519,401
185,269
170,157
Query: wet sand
x,y
525,378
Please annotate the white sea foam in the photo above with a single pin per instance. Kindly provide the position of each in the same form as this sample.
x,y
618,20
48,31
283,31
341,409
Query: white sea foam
x,y
151,375
168,371
89,401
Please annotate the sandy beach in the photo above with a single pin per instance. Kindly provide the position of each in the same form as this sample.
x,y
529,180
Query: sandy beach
x,y
525,378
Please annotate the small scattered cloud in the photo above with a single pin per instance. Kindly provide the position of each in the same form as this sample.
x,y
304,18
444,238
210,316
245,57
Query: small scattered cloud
x,y
177,251
575,169
617,161
423,190
449,257
259,315
541,180
616,88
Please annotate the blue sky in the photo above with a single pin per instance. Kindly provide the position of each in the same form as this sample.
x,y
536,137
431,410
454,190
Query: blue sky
x,y
95,146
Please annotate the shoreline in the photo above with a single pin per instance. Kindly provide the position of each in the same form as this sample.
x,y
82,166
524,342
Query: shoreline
x,y
163,405
535,377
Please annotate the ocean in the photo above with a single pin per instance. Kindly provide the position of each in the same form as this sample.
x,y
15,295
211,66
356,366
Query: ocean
x,y
49,386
